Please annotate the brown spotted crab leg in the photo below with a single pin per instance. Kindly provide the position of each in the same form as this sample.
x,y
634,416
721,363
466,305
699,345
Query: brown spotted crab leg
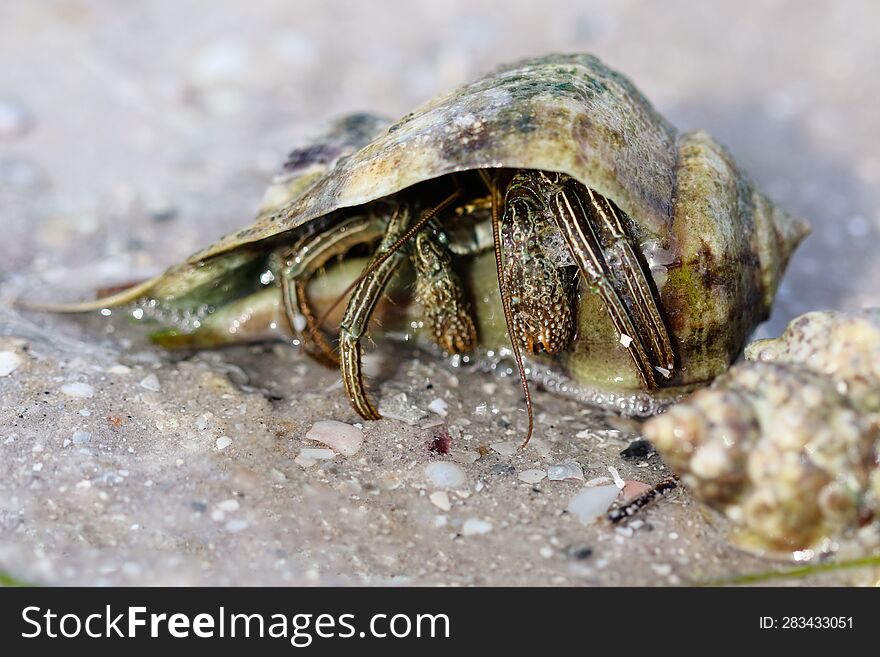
x,y
447,313
302,262
366,291
621,257
578,226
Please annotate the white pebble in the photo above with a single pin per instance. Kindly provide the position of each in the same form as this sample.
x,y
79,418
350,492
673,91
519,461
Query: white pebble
x,y
475,527
444,474
463,456
618,480
9,362
625,340
532,476
592,502
228,505
77,389
151,382
439,407
81,437
118,369
236,525
567,470
505,448
342,437
310,455
662,569
441,500
14,119
37,467
223,442
540,447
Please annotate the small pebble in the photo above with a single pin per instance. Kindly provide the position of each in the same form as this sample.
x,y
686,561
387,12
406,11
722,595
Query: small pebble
x,y
506,448
118,369
236,525
441,500
464,456
444,474
81,437
634,489
342,437
37,467
310,455
228,505
223,442
399,408
618,480
590,503
77,389
439,407
475,527
151,382
662,569
532,476
14,119
566,470
9,362
540,447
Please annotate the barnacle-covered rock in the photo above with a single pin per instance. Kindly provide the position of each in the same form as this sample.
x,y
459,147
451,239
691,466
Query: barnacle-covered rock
x,y
787,446
845,346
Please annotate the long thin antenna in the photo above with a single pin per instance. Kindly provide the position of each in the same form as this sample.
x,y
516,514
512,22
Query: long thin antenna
x,y
505,303
408,235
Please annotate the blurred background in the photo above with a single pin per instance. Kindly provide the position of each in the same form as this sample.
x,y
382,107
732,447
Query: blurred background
x,y
132,133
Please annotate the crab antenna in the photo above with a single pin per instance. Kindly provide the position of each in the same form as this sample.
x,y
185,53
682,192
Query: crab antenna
x,y
505,303
407,236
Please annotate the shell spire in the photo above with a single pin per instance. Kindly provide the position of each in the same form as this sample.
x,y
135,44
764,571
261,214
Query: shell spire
x,y
779,235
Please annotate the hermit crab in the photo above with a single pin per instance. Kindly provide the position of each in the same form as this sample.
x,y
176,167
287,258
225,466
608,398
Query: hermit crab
x,y
545,211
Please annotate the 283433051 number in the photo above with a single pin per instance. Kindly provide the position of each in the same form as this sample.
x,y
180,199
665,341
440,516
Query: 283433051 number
x,y
815,622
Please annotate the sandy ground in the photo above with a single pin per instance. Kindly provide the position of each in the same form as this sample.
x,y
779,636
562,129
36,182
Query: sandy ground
x,y
131,134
